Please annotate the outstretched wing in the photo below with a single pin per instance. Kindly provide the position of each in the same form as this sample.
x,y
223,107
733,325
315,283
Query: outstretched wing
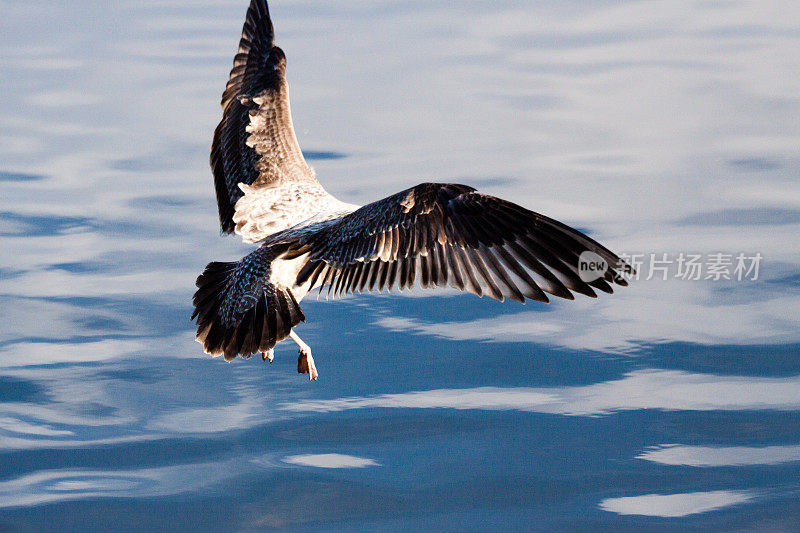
x,y
442,234
254,145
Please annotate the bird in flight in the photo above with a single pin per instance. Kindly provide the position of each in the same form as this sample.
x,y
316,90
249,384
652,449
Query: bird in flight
x,y
432,234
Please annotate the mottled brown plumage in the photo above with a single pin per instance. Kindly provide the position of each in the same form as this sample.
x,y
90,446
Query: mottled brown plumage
x,y
433,234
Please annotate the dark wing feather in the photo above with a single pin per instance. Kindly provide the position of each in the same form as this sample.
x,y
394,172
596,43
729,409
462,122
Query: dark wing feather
x,y
442,234
255,141
238,312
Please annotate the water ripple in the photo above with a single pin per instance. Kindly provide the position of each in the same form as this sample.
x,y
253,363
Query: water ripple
x,y
676,505
645,389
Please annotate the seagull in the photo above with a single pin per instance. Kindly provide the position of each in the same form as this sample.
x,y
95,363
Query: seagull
x,y
430,235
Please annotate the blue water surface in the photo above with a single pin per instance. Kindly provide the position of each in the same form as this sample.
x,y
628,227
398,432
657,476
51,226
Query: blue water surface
x,y
657,127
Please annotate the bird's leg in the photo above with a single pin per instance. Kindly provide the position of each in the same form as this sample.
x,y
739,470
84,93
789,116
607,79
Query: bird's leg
x,y
305,363
269,355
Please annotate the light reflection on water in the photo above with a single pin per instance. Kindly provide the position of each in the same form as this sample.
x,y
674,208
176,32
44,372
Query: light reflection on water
x,y
657,127
650,389
706,456
675,505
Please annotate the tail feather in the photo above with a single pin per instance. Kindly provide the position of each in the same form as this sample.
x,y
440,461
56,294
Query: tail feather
x,y
239,313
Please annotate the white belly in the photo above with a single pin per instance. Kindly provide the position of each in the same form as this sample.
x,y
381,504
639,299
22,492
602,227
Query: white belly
x,y
283,273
